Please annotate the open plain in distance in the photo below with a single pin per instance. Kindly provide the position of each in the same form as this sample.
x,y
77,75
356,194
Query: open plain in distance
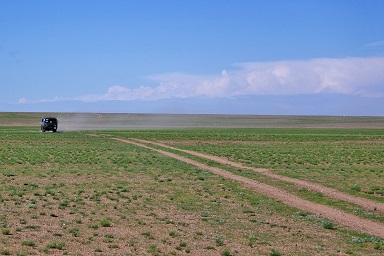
x,y
85,191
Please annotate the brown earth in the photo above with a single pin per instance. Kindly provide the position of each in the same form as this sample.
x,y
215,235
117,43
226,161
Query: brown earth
x,y
333,214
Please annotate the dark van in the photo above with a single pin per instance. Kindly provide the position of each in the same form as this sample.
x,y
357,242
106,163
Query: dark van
x,y
49,124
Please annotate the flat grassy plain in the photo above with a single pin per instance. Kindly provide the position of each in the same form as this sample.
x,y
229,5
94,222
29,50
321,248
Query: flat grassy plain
x,y
78,192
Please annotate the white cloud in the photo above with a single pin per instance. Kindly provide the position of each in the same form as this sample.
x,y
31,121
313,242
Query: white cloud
x,y
22,101
349,76
375,44
358,76
54,99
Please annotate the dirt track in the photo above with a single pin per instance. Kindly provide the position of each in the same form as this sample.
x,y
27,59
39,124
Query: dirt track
x,y
333,193
338,216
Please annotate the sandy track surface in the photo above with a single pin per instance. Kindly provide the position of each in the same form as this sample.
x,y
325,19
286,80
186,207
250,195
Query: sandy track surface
x,y
342,218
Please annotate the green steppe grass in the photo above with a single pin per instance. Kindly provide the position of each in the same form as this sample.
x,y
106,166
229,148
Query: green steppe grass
x,y
76,194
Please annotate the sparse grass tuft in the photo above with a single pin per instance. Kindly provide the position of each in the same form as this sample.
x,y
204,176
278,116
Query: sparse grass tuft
x,y
5,252
6,231
274,252
219,241
28,243
226,252
327,224
173,234
54,245
153,249
106,222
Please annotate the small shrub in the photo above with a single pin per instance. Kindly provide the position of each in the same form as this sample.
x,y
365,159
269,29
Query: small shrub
x,y
327,224
201,178
356,188
105,223
148,235
251,241
302,214
275,253
63,204
153,249
54,245
32,227
219,241
183,224
226,252
5,252
107,240
109,236
28,243
75,232
94,226
141,222
377,246
6,231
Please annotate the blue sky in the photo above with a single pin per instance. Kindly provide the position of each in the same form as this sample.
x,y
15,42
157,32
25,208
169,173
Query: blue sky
x,y
193,56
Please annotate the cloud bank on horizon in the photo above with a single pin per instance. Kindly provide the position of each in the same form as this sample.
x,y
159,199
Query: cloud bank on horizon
x,y
349,76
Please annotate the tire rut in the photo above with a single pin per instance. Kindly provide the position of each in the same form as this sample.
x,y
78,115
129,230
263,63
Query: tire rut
x,y
340,217
367,204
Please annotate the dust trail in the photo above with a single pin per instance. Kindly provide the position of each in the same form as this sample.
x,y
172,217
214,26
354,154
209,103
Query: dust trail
x,y
342,218
333,193
78,121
